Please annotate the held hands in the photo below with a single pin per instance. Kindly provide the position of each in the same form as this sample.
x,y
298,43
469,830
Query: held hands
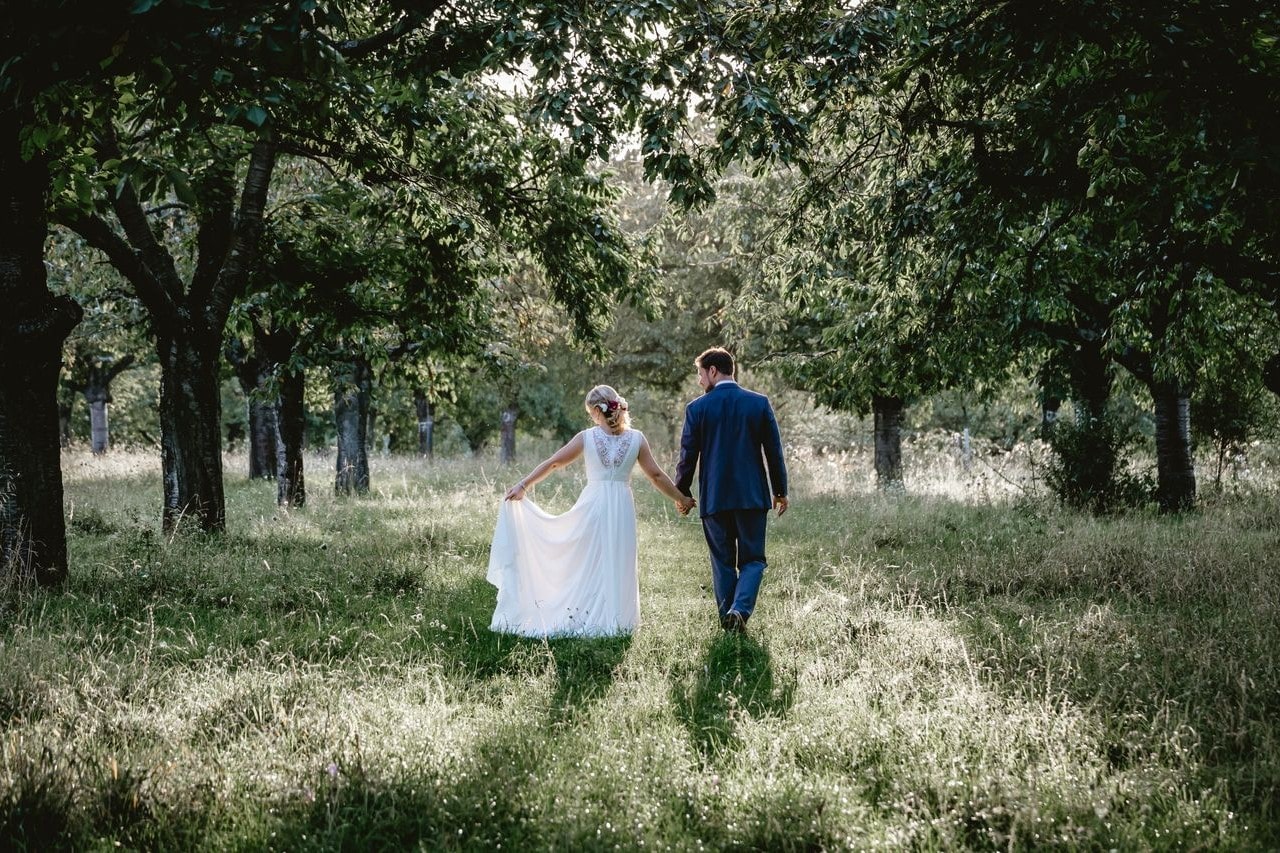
x,y
684,504
780,504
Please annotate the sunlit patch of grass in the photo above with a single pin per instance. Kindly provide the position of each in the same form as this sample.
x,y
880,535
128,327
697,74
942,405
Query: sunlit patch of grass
x,y
923,672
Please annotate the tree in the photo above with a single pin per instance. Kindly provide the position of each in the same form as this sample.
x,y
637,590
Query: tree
x,y
1099,173
52,50
304,84
1135,134
217,86
253,369
387,273
109,340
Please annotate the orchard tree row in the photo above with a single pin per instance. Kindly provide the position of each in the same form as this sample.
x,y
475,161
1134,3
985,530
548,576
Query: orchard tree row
x,y
1072,190
162,134
916,196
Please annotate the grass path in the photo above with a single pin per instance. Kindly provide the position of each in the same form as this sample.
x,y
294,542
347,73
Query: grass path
x,y
921,674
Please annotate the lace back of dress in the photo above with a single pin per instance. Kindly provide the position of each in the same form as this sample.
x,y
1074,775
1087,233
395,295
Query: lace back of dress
x,y
612,450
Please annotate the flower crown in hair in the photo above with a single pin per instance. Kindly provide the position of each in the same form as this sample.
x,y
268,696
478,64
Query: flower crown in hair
x,y
608,407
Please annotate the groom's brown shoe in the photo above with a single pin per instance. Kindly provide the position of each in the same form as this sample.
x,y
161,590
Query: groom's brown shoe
x,y
734,622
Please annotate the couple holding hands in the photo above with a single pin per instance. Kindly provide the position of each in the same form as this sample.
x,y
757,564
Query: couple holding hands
x,y
575,574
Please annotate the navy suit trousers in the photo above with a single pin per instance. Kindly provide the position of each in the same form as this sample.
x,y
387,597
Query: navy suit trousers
x,y
736,540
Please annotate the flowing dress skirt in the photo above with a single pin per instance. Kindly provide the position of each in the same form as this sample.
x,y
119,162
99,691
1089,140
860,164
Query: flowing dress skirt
x,y
567,575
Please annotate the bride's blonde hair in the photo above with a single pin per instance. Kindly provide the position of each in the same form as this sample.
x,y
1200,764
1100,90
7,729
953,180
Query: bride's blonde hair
x,y
611,404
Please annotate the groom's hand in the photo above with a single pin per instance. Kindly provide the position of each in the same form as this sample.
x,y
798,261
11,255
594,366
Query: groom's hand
x,y
685,504
780,503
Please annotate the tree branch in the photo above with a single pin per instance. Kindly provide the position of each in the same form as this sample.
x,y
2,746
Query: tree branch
x,y
137,230
99,234
1136,362
119,367
234,275
164,208
216,223
307,152
1034,252
947,300
1234,268
409,21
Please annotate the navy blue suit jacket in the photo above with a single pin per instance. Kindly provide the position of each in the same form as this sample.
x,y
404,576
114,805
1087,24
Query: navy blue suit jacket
x,y
731,437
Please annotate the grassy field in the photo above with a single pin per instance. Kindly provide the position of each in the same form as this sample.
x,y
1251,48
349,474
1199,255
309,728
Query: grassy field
x,y
928,672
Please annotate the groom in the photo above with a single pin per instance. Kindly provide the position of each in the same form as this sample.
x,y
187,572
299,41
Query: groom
x,y
735,435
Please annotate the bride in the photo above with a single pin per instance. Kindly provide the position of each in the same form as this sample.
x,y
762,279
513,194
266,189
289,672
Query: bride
x,y
575,574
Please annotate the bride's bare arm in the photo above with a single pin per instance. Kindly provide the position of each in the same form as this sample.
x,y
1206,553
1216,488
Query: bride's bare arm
x,y
657,476
559,459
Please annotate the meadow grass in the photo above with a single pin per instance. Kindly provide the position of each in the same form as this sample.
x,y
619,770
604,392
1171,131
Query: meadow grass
x,y
969,668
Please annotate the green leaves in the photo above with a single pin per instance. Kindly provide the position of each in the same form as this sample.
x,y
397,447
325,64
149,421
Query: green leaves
x,y
182,187
256,116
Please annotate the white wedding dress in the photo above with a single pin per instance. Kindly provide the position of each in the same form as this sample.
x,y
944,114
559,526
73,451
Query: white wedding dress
x,y
572,574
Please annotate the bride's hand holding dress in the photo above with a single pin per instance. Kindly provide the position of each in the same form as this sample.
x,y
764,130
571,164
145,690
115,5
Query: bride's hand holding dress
x,y
575,573
562,457
572,574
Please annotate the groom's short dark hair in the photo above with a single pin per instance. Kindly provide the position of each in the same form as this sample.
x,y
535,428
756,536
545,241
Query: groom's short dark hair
x,y
717,357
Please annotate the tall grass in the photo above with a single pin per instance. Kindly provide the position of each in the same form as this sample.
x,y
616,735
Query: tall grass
x,y
966,669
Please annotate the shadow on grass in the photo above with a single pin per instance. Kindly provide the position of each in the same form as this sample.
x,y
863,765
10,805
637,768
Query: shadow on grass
x,y
734,679
583,667
480,804
1151,675
1172,661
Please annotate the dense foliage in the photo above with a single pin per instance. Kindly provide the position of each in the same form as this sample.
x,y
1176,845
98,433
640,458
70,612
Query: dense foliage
x,y
913,200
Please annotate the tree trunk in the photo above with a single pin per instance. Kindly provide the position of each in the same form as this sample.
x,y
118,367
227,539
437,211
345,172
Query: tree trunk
x,y
888,441
1049,407
352,389
33,326
254,370
509,416
262,439
1175,466
291,428
426,424
370,431
1091,379
99,399
190,442
97,393
1090,458
1271,374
